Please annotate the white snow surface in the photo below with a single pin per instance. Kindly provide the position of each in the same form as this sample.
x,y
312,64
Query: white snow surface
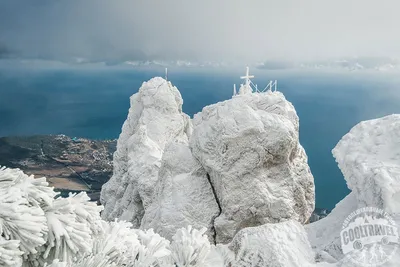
x,y
280,245
324,235
249,145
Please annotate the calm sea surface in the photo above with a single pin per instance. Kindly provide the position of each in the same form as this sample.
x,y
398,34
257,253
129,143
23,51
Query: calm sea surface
x,y
94,104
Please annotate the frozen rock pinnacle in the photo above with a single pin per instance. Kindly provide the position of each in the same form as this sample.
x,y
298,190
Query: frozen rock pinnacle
x,y
155,118
240,165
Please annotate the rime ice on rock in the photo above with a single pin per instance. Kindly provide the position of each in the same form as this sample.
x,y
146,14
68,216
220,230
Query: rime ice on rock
x,y
155,119
183,195
280,245
245,166
369,158
250,147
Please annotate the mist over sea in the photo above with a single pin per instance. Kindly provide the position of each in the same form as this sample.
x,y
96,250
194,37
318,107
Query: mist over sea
x,y
94,104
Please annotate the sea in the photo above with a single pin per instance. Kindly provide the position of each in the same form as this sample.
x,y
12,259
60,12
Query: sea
x,y
93,103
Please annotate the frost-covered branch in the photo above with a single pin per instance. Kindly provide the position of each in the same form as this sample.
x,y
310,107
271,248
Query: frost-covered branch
x,y
37,229
10,255
21,221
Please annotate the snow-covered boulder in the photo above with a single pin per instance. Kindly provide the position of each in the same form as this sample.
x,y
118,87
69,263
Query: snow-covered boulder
x,y
369,158
155,119
183,195
280,245
250,147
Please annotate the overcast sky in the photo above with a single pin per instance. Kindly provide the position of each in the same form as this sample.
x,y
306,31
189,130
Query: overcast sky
x,y
199,30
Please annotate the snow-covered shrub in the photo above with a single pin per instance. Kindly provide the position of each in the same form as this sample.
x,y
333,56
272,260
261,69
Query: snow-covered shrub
x,y
119,245
191,248
152,250
37,227
68,236
116,242
39,230
10,255
21,215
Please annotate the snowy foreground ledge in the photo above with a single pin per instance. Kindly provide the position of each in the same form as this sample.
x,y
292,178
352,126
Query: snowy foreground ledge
x,y
37,229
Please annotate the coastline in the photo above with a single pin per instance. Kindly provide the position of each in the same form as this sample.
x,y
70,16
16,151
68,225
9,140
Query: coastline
x,y
69,164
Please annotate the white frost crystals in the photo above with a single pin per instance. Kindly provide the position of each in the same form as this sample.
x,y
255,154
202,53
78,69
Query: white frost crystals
x,y
44,228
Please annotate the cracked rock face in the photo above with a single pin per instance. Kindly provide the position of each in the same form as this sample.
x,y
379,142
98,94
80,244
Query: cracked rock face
x,y
183,195
250,147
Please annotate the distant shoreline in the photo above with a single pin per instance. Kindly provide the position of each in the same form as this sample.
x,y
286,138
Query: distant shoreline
x,y
69,164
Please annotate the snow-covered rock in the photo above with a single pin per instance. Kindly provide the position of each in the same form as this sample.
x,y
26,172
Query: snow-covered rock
x,y
369,158
324,235
183,195
280,245
250,147
155,119
245,166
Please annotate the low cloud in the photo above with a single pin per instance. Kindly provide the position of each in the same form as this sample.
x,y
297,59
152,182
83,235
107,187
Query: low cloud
x,y
103,30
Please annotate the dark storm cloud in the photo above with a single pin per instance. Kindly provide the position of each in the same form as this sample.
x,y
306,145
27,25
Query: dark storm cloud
x,y
199,30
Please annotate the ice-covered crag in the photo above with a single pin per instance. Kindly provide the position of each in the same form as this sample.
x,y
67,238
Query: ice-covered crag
x,y
155,119
369,157
183,195
249,146
241,166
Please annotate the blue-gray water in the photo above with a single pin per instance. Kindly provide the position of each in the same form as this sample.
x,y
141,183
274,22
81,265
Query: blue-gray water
x,y
94,104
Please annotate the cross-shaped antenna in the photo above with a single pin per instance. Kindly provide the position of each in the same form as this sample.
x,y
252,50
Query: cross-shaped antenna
x,y
247,77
